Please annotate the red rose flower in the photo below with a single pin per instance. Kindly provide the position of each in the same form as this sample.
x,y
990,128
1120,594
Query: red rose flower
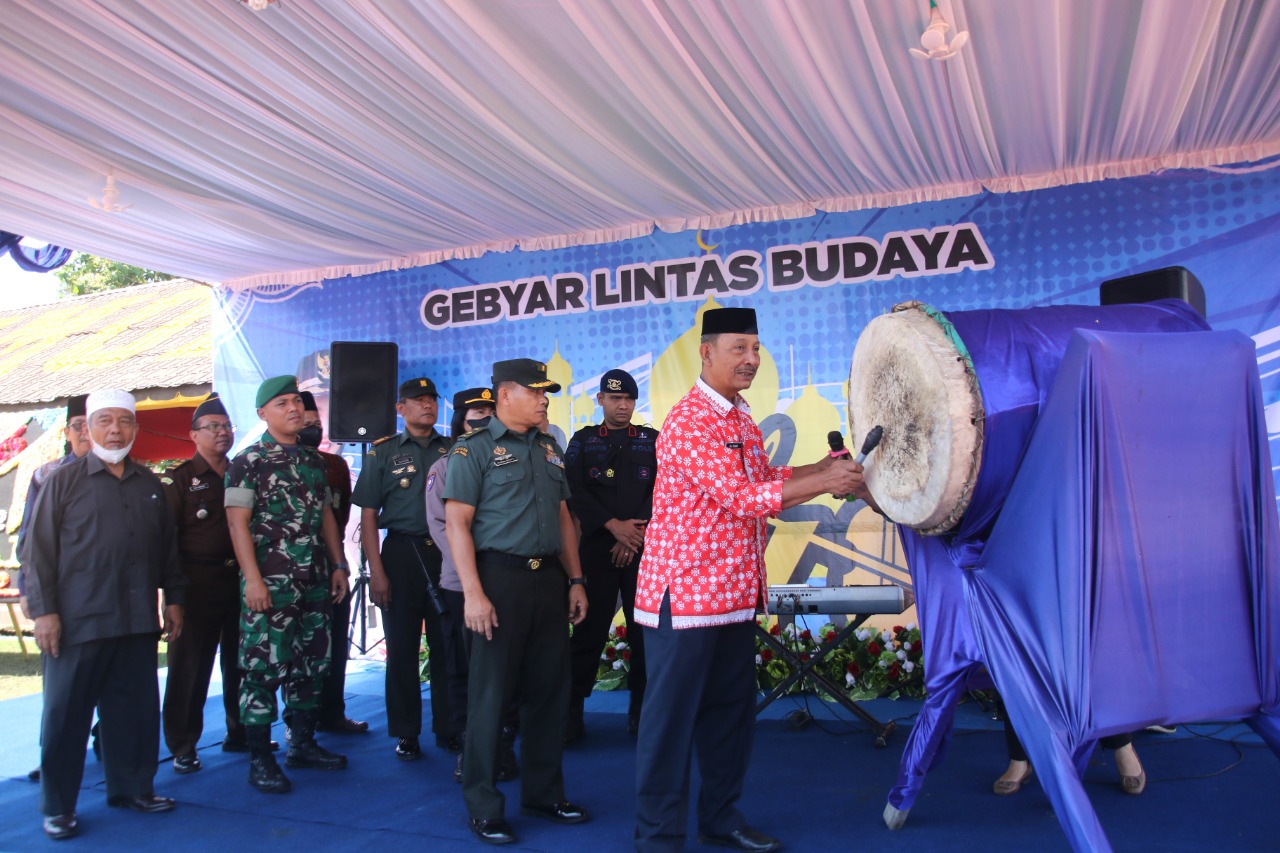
x,y
829,636
804,656
874,649
766,655
626,655
621,631
854,669
806,635
610,652
898,629
776,629
894,671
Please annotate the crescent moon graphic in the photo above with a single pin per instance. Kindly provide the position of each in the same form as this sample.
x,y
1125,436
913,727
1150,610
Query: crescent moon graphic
x,y
701,245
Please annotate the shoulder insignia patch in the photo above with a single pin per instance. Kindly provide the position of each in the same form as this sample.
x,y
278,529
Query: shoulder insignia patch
x,y
460,450
168,481
384,438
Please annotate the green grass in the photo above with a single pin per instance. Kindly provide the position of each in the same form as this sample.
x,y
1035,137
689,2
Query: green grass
x,y
20,674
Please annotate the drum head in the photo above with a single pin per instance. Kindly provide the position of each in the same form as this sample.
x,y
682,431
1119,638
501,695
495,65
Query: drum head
x,y
912,375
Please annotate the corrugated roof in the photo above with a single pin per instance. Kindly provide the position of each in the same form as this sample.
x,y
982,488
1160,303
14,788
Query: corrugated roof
x,y
147,336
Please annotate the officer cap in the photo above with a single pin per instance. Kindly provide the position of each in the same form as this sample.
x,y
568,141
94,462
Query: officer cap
x,y
619,382
421,387
473,397
308,401
275,387
75,406
212,405
525,371
730,321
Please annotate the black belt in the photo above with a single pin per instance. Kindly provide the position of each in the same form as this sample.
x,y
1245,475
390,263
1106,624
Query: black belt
x,y
420,540
515,561
229,563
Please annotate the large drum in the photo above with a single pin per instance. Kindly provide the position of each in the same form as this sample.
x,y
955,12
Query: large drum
x,y
958,394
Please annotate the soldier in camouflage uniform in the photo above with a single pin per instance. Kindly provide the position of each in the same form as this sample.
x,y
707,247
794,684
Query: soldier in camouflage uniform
x,y
281,523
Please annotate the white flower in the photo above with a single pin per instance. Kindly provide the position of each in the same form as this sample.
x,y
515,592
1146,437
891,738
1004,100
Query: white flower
x,y
906,646
862,634
620,646
617,664
911,626
849,680
883,664
886,636
908,666
902,655
758,660
604,656
789,631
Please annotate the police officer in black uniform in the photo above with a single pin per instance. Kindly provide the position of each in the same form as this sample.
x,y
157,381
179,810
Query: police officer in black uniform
x,y
611,468
404,576
514,546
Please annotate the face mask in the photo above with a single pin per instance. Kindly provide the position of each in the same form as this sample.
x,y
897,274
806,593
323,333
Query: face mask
x,y
310,436
477,423
111,457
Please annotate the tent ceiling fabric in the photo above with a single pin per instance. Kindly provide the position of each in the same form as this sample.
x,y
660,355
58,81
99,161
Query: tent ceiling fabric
x,y
319,138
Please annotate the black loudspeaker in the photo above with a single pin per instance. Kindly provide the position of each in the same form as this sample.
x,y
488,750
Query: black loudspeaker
x,y
1167,283
362,390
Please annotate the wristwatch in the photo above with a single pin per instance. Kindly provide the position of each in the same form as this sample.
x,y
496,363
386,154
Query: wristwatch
x,y
578,581
342,567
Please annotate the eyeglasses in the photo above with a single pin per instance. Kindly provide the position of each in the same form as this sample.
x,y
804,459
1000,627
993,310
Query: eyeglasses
x,y
214,428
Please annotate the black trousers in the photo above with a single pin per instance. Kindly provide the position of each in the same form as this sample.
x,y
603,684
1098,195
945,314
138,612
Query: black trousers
x,y
604,582
403,620
118,675
700,698
210,622
527,658
333,700
457,657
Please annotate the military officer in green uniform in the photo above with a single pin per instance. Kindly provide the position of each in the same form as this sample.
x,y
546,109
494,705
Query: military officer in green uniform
x,y
282,524
515,549
404,574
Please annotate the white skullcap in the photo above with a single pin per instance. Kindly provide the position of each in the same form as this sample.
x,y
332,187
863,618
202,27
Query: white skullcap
x,y
109,398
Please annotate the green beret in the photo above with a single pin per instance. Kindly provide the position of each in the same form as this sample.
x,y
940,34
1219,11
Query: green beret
x,y
274,387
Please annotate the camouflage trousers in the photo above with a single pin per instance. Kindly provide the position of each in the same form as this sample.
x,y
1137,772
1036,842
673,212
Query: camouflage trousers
x,y
286,646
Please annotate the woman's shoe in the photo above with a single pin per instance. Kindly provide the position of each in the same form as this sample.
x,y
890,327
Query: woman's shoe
x,y
1006,787
1134,785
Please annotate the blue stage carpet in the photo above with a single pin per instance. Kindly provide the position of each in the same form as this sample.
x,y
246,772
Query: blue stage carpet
x,y
820,788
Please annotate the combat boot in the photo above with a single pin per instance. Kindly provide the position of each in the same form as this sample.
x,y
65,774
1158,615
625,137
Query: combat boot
x,y
264,773
303,749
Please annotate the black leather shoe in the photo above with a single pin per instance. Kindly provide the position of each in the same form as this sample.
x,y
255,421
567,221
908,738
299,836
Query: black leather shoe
x,y
343,726
142,803
743,839
493,830
407,749
561,812
186,763
61,826
451,743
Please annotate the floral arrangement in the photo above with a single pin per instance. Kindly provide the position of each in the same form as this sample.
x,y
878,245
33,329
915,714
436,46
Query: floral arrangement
x,y
869,663
615,660
13,445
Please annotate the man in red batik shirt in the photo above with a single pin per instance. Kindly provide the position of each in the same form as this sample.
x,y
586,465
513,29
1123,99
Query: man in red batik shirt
x,y
701,580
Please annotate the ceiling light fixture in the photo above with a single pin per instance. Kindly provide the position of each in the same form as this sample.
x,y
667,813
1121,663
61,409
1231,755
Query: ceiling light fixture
x,y
110,201
257,5
934,38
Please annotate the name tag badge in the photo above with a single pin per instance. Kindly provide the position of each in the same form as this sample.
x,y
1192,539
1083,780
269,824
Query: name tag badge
x,y
197,486
505,459
733,445
402,460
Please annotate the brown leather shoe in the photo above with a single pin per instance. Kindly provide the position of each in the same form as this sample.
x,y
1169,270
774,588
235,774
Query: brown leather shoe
x,y
61,826
1008,787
